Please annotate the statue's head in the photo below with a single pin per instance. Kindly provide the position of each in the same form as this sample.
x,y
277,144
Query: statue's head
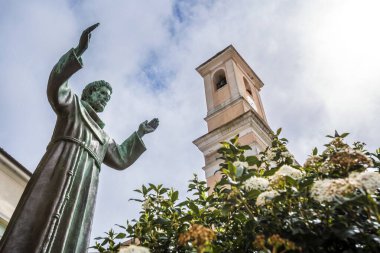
x,y
97,94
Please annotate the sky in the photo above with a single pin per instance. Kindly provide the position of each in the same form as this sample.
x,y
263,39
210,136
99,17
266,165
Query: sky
x,y
318,59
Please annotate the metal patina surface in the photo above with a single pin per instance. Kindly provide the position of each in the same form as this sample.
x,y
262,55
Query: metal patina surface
x,y
56,209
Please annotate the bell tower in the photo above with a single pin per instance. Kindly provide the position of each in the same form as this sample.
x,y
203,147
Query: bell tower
x,y
234,107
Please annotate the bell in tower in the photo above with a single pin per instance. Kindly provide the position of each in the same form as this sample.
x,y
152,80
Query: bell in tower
x,y
234,107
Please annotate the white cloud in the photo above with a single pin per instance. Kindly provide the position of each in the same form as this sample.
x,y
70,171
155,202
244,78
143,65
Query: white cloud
x,y
318,61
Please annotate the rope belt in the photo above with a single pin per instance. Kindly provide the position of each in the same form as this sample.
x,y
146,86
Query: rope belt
x,y
81,144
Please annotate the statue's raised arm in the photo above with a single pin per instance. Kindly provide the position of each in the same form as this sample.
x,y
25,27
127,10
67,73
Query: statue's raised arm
x,y
84,40
58,91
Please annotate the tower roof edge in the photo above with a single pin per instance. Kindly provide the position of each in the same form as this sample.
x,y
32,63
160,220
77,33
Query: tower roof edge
x,y
230,51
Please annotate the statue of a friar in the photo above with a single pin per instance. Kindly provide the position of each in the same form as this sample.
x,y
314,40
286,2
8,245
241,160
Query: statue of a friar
x,y
56,209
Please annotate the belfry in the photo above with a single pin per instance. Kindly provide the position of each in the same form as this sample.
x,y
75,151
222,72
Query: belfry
x,y
234,107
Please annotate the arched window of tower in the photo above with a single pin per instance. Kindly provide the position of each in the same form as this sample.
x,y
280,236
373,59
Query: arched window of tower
x,y
220,79
247,87
249,96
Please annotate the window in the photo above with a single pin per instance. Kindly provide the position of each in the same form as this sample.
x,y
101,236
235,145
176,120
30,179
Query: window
x,y
247,87
220,79
249,96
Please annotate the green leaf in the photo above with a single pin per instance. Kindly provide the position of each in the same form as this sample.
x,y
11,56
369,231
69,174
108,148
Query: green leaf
x,y
246,147
163,190
162,221
137,200
120,236
153,187
106,240
121,226
270,172
290,181
144,189
174,196
253,194
306,182
278,131
252,160
234,149
315,151
235,139
232,169
193,207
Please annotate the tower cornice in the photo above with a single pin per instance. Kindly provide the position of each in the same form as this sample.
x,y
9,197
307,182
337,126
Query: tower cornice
x,y
228,53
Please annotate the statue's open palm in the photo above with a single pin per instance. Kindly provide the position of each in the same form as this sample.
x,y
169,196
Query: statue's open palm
x,y
148,127
85,39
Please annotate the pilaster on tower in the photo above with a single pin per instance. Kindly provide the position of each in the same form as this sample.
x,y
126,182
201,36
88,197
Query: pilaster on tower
x,y
234,107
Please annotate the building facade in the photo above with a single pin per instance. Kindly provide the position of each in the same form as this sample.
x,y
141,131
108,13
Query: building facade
x,y
234,107
13,180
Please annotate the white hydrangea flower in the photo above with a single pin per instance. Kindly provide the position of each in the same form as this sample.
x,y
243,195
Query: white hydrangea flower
x,y
361,157
270,154
134,249
324,168
272,164
312,161
368,180
287,154
286,170
256,183
266,197
146,204
328,189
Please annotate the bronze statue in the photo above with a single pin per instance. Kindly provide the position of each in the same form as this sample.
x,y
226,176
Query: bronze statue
x,y
56,209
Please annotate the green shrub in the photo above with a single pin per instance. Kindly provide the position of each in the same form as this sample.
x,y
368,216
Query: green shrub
x,y
266,203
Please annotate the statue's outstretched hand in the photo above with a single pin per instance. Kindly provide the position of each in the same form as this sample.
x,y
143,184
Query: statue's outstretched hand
x,y
84,40
146,128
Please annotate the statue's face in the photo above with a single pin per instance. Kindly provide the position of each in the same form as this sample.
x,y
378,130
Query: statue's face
x,y
99,98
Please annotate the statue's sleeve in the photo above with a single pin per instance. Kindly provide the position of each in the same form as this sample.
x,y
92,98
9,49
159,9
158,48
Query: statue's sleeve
x,y
122,156
58,91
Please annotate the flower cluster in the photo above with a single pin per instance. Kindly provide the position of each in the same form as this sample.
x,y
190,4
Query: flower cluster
x,y
275,156
367,180
328,190
313,161
268,185
284,171
274,242
256,183
266,197
349,157
198,235
134,249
